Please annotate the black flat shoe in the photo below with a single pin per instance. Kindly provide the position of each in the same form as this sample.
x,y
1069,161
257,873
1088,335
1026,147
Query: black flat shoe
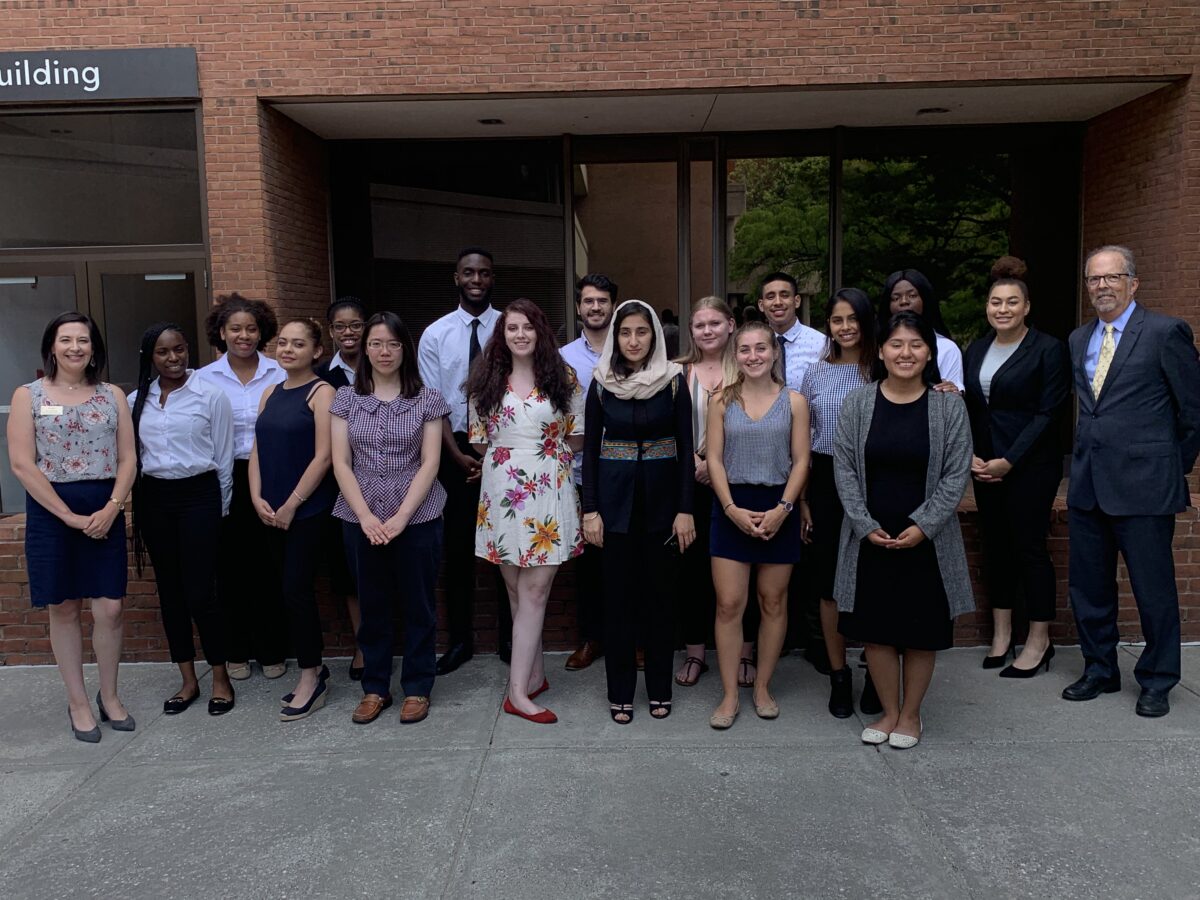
x,y
1089,687
125,724
841,693
1013,672
995,662
91,736
218,706
356,673
179,703
324,677
1153,704
454,657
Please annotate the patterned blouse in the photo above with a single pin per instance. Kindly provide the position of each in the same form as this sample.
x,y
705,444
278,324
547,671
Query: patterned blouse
x,y
75,443
385,444
826,386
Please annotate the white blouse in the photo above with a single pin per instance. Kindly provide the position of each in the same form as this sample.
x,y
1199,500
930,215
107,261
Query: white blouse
x,y
244,398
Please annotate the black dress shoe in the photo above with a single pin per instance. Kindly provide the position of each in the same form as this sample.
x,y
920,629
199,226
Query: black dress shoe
x,y
179,703
505,652
454,657
1153,704
841,693
1089,687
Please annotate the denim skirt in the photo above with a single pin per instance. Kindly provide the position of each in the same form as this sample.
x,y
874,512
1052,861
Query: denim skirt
x,y
63,562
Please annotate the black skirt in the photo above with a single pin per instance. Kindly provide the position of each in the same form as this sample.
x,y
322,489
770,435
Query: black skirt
x,y
730,542
63,562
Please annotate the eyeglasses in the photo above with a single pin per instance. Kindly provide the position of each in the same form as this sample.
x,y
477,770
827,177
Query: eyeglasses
x,y
342,327
376,346
1112,279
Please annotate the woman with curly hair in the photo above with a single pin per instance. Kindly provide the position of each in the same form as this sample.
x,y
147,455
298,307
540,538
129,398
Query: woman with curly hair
x,y
253,608
526,420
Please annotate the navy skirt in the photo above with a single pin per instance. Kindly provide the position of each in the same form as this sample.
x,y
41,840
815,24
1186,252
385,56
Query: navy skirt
x,y
730,542
63,562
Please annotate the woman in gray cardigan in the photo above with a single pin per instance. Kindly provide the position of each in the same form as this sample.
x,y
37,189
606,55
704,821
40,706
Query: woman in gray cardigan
x,y
902,458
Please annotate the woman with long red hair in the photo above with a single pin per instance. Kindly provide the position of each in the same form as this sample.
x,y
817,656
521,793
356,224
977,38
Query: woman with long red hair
x,y
526,420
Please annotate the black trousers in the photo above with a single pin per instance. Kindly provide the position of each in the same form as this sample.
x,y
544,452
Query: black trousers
x,y
462,504
639,579
296,554
1014,519
251,597
1145,543
180,522
406,568
589,593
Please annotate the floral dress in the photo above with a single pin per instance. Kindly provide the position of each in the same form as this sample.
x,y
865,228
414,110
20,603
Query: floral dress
x,y
528,508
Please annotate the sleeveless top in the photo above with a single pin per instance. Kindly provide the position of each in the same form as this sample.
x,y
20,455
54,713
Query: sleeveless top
x,y
700,398
759,452
75,443
287,442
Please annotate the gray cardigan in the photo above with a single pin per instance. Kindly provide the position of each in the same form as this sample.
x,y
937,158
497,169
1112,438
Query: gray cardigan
x,y
949,469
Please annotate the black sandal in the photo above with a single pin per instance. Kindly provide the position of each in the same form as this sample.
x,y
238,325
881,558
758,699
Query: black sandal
x,y
660,709
621,709
179,703
744,679
701,668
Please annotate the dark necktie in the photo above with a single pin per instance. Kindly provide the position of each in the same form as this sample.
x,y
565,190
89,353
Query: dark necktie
x,y
474,351
782,355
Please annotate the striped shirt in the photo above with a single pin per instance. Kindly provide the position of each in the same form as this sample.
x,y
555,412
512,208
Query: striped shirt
x,y
385,446
825,386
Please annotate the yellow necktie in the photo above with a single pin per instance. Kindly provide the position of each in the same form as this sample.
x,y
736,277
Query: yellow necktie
x,y
1108,347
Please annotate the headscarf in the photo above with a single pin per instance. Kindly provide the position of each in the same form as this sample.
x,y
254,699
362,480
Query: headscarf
x,y
652,377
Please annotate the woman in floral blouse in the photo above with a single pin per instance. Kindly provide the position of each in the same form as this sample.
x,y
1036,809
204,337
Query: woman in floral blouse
x,y
527,421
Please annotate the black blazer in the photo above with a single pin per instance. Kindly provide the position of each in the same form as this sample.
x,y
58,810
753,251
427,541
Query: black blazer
x,y
1136,442
632,445
1020,422
336,377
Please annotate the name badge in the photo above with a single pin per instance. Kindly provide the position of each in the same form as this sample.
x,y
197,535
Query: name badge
x,y
48,410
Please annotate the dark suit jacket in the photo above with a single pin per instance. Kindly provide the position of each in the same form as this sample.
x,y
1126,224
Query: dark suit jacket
x,y
1028,398
336,377
1136,442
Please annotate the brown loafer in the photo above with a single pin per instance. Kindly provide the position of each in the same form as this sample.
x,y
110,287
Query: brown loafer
x,y
588,653
369,708
413,709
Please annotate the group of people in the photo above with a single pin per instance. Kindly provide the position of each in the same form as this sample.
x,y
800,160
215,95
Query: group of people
x,y
770,460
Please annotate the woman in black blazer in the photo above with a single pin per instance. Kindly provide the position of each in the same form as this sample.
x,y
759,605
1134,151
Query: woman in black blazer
x,y
1017,384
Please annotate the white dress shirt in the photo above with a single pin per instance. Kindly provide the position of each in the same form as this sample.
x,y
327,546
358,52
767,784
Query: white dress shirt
x,y
191,435
580,356
244,398
1091,357
444,357
949,359
804,346
338,363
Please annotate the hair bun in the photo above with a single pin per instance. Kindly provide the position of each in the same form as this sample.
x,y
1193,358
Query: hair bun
x,y
1008,267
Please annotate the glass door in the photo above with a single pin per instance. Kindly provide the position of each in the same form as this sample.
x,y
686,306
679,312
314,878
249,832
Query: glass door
x,y
30,296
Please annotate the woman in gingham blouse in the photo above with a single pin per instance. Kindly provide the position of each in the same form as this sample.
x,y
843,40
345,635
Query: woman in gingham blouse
x,y
386,449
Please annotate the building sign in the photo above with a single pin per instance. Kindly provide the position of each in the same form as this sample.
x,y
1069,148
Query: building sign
x,y
142,74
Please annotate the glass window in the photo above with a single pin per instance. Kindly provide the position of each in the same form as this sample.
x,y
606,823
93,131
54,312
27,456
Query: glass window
x,y
99,179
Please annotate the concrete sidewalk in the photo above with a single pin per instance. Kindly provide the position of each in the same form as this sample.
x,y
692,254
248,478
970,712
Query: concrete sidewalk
x,y
1013,792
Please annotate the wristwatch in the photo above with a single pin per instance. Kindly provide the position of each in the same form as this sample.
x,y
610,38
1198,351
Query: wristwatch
x,y
788,507
120,504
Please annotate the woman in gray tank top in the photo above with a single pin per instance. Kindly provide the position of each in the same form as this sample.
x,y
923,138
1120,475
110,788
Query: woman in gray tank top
x,y
758,455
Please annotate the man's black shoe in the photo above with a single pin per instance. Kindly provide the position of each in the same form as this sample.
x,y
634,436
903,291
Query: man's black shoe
x,y
1153,704
1089,687
454,657
505,652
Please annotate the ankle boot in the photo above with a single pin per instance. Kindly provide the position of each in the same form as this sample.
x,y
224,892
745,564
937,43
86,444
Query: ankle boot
x,y
841,693
869,702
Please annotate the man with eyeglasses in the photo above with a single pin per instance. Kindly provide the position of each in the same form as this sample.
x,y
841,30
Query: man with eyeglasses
x,y
1137,378
346,317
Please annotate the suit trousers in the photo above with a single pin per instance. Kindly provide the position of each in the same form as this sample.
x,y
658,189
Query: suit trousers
x,y
639,584
296,554
462,505
251,598
180,521
1145,543
1014,519
407,569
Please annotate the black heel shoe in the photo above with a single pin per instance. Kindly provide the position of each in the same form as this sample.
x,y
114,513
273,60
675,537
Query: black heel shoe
x,y
315,702
621,709
660,709
324,677
995,662
1013,672
125,724
91,736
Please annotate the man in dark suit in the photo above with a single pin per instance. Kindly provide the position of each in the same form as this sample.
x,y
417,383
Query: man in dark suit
x,y
1137,378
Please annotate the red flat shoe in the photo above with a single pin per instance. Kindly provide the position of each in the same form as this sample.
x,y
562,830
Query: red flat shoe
x,y
545,687
545,717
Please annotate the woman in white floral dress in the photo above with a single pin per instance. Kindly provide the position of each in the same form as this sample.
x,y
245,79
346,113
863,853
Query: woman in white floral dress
x,y
526,419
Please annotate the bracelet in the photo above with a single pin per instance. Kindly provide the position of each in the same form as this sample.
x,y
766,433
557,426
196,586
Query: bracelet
x,y
298,497
587,517
726,506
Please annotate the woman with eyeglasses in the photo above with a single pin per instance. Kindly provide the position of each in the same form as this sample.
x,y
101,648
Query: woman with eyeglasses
x,y
1018,382
387,444
346,317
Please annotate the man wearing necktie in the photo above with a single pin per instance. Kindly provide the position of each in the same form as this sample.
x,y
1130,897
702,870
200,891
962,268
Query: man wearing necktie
x,y
447,349
1137,377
